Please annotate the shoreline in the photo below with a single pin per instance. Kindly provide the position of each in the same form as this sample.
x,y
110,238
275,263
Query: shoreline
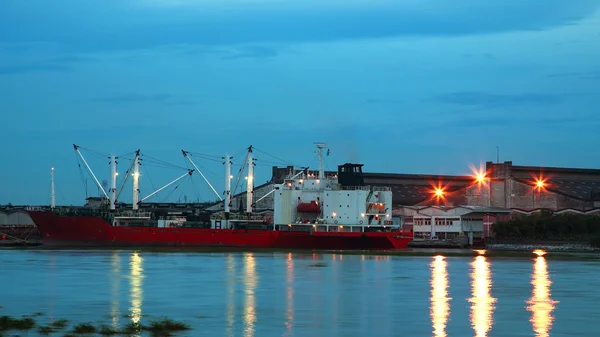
x,y
552,251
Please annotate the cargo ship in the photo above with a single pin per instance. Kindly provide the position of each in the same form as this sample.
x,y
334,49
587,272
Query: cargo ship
x,y
311,211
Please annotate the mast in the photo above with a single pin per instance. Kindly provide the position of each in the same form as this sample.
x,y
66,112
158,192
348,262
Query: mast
x,y
320,147
250,182
227,186
136,181
113,181
52,194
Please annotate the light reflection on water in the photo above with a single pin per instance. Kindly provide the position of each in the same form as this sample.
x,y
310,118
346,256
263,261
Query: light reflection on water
x,y
541,304
440,308
136,294
482,302
303,294
250,282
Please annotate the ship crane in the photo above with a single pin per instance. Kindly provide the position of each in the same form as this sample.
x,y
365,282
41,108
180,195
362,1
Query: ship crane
x,y
132,171
273,188
187,155
189,173
76,147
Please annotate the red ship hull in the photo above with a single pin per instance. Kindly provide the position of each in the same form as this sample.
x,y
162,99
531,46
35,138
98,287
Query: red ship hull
x,y
95,231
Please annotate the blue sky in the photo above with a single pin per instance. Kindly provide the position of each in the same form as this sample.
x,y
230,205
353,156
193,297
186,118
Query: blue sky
x,y
410,86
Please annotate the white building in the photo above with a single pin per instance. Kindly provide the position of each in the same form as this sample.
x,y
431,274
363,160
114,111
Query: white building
x,y
449,222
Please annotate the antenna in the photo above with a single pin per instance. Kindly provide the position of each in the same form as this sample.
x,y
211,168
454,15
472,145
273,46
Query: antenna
x,y
320,147
497,154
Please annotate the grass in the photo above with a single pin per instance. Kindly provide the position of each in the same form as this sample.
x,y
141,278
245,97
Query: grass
x,y
107,330
8,323
84,328
132,328
46,330
59,324
163,327
167,325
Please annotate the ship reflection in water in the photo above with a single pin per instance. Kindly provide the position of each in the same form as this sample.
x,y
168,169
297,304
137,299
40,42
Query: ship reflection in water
x,y
231,279
440,307
135,281
250,282
482,302
540,304
115,278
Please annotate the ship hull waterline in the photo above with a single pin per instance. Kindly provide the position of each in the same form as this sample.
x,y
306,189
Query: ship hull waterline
x,y
89,231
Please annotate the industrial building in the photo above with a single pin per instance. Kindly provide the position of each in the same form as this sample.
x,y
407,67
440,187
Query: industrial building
x,y
446,206
522,189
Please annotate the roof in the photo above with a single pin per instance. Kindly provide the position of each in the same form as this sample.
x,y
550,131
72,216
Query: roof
x,y
445,211
558,170
411,189
574,188
472,208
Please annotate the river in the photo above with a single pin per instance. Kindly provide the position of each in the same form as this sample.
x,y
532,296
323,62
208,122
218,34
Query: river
x,y
279,294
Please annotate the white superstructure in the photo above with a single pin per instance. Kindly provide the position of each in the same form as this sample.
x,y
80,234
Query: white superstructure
x,y
331,203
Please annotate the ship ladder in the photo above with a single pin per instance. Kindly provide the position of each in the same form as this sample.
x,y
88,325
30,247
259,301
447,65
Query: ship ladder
x,y
369,200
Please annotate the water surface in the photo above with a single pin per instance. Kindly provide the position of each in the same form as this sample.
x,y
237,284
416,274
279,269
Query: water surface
x,y
275,294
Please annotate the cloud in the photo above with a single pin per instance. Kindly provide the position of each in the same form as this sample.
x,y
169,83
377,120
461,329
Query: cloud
x,y
255,52
59,63
383,101
33,68
482,99
134,98
483,56
128,24
533,122
590,75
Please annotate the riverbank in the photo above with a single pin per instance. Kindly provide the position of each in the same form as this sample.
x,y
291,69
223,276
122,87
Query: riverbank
x,y
573,247
20,243
508,251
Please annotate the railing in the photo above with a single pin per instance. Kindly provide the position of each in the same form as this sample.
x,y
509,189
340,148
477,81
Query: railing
x,y
366,188
237,217
381,188
133,214
355,188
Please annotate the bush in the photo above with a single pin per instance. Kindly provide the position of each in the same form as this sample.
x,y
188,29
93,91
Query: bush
x,y
549,226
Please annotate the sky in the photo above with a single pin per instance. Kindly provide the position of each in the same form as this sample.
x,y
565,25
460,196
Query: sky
x,y
405,86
